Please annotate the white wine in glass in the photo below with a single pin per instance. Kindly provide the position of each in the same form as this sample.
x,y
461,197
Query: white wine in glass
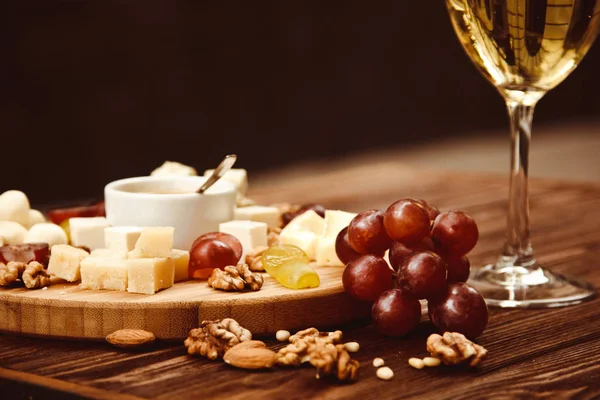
x,y
525,48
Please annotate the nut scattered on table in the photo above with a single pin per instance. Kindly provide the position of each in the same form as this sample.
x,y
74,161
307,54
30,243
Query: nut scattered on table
x,y
130,338
254,259
321,350
378,362
251,354
454,348
385,373
352,347
282,335
235,278
431,361
11,272
416,363
213,338
35,276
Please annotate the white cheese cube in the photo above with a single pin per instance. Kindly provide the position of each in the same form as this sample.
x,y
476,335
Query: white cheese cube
x,y
269,215
154,242
14,206
121,238
251,234
308,221
335,221
109,253
182,261
65,262
305,240
237,176
172,168
46,233
35,217
149,275
99,273
325,252
12,232
88,232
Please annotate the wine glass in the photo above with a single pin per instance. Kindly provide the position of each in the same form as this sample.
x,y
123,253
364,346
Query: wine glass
x,y
525,48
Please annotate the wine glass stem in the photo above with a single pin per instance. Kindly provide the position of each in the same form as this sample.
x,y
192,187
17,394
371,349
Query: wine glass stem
x,y
518,250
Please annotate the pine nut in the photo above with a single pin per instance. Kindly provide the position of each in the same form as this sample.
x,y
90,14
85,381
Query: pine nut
x,y
416,363
282,335
385,373
431,361
378,362
352,347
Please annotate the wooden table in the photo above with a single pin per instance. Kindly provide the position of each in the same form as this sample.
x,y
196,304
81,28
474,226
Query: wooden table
x,y
546,354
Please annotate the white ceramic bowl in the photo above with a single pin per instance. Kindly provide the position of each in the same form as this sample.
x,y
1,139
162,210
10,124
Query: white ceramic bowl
x,y
139,202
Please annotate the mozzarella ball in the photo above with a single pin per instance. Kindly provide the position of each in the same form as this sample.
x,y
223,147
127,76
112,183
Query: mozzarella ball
x,y
46,233
12,232
14,206
35,217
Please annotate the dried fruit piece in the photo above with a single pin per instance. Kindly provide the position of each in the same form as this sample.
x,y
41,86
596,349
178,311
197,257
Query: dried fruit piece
x,y
35,276
130,338
25,253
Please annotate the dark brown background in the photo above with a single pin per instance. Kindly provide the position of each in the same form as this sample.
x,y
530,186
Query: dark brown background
x,y
91,91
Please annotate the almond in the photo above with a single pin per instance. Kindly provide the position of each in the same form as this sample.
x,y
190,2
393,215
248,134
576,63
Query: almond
x,y
251,354
130,338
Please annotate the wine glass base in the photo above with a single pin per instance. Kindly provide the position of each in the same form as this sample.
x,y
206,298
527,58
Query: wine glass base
x,y
507,285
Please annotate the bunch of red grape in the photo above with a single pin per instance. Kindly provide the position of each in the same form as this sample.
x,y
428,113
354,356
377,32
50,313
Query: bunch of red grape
x,y
427,260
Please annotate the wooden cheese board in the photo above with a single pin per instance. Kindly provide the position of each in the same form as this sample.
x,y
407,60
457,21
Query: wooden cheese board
x,y
64,311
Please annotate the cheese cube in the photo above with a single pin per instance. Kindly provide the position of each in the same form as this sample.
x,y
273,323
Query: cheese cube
x,y
251,234
308,221
335,221
325,252
237,176
269,215
88,232
99,273
154,242
182,261
65,262
303,239
149,275
108,253
121,238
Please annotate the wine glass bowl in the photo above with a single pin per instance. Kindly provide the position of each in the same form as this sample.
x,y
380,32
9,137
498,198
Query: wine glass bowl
x,y
524,48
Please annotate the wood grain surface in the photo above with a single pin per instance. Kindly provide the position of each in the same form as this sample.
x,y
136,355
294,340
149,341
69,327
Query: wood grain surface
x,y
64,311
541,354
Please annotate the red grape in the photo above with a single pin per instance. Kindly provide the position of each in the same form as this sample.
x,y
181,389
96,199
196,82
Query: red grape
x,y
406,221
367,234
344,251
395,314
422,275
400,251
25,253
366,277
458,268
433,211
228,239
459,309
454,233
209,254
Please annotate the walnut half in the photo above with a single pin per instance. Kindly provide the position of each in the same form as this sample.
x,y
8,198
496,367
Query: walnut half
x,y
235,278
35,276
454,348
213,338
10,272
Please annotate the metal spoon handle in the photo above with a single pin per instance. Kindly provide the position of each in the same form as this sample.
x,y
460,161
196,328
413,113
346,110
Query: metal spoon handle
x,y
218,173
